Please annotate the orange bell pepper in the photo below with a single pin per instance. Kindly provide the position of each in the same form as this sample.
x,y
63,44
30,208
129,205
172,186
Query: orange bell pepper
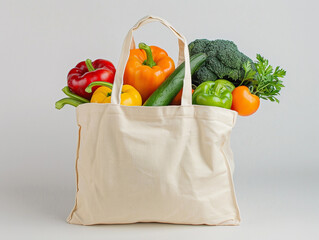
x,y
147,68
129,96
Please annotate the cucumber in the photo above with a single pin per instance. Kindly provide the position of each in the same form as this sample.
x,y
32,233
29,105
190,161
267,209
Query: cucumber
x,y
166,92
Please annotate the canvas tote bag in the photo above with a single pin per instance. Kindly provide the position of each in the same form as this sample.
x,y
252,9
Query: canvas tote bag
x,y
167,164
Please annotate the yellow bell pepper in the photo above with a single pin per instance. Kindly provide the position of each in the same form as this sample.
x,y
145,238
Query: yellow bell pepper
x,y
129,96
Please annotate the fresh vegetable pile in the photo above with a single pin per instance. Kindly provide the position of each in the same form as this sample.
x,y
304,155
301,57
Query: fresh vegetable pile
x,y
253,80
222,76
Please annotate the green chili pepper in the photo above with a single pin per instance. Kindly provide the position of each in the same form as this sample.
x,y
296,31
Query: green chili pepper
x,y
98,83
214,93
70,94
71,101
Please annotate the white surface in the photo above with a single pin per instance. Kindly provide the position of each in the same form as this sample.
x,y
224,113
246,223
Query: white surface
x,y
269,211
275,150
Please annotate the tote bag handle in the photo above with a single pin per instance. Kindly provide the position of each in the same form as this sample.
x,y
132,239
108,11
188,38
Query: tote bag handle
x,y
183,56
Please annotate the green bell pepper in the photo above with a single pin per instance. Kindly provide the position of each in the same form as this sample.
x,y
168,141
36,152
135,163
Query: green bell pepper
x,y
214,93
226,83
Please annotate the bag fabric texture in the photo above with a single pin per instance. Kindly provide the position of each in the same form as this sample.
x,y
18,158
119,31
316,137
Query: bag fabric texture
x,y
170,164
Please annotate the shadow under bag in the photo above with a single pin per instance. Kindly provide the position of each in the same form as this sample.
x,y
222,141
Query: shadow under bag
x,y
170,164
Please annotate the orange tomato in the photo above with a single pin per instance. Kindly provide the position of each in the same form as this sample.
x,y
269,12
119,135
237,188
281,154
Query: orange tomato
x,y
178,98
244,102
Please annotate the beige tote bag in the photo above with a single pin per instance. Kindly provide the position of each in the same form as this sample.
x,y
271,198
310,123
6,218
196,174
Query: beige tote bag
x,y
169,164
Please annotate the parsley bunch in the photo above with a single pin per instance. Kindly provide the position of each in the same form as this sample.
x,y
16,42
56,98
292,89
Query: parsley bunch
x,y
262,80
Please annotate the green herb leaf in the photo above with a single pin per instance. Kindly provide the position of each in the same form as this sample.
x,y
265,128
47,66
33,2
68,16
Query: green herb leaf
x,y
266,82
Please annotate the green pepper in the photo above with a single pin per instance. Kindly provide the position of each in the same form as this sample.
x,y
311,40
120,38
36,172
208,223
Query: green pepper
x,y
214,93
226,83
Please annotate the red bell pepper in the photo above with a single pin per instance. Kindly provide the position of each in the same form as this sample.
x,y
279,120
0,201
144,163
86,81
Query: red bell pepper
x,y
86,72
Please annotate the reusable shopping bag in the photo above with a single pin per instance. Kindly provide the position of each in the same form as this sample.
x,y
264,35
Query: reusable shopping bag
x,y
169,164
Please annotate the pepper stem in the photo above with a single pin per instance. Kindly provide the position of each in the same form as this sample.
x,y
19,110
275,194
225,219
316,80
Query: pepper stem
x,y
98,83
149,61
89,65
217,88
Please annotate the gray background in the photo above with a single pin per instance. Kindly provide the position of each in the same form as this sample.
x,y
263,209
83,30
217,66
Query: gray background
x,y
276,150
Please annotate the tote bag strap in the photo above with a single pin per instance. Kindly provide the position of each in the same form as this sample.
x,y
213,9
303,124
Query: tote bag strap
x,y
183,56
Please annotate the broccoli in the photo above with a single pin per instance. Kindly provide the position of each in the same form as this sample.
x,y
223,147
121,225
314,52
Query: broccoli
x,y
224,60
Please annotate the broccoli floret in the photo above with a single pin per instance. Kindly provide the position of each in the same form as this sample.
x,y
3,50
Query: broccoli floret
x,y
224,60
